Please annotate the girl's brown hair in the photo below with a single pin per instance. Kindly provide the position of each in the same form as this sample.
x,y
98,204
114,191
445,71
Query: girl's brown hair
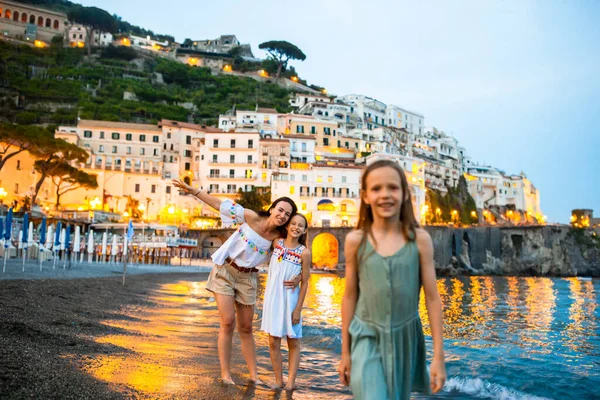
x,y
407,215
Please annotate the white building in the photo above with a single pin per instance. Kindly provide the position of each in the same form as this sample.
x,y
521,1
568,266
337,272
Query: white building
x,y
414,170
327,194
399,117
230,161
302,148
299,100
372,112
76,36
262,120
490,187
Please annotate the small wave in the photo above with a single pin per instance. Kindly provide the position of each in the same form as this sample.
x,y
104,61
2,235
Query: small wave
x,y
486,390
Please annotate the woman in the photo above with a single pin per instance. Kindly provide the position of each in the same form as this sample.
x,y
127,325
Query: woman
x,y
233,280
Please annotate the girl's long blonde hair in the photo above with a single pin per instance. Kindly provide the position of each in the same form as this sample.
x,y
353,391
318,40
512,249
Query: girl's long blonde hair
x,y
365,214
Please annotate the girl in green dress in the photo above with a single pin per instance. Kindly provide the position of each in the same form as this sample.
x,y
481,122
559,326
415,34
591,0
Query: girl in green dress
x,y
388,259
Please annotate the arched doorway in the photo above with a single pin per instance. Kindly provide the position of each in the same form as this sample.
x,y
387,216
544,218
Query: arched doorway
x,y
325,251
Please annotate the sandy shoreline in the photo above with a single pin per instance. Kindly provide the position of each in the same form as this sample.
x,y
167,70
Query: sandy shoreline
x,y
49,341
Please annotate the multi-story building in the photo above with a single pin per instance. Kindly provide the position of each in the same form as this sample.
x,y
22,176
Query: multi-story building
x,y
231,161
370,111
223,45
399,117
490,187
76,36
26,22
326,193
300,100
262,120
302,148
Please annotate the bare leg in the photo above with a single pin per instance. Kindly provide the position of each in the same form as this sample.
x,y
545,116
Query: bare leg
x,y
244,324
294,360
275,350
226,307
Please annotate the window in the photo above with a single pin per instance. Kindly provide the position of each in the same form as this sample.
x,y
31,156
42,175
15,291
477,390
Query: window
x,y
216,143
327,131
250,143
319,178
187,153
213,188
339,143
87,134
142,138
303,146
250,159
101,149
264,176
313,129
292,178
156,152
347,145
343,208
171,146
325,141
233,143
299,128
344,179
142,151
168,189
292,190
232,173
153,189
137,187
155,139
248,174
18,164
115,136
128,136
128,150
16,188
114,150
215,173
214,158
231,188
304,178
303,206
101,135
188,166
164,146
171,159
169,135
232,158
330,179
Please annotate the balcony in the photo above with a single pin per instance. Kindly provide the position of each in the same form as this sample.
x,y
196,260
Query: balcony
x,y
246,163
229,177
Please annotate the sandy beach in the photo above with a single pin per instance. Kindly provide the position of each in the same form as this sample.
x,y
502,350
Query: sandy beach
x,y
87,337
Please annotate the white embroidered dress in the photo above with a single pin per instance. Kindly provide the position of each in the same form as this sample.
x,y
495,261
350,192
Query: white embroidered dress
x,y
280,301
246,247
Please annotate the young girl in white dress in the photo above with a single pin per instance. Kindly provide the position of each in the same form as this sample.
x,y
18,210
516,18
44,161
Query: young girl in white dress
x,y
282,309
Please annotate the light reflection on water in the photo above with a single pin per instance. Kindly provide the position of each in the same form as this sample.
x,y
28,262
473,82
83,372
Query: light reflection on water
x,y
505,337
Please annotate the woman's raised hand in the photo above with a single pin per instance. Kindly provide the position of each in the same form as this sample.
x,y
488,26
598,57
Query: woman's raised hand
x,y
184,187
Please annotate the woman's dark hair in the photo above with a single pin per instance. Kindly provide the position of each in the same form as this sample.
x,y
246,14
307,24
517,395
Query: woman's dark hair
x,y
282,229
303,238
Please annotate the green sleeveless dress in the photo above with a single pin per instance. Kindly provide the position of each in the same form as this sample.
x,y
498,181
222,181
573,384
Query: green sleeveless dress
x,y
388,346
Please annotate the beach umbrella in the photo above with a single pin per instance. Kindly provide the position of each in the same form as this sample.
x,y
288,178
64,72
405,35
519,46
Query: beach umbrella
x,y
104,245
67,245
2,230
25,230
77,240
42,240
43,228
61,239
90,245
30,236
50,237
113,247
7,235
56,245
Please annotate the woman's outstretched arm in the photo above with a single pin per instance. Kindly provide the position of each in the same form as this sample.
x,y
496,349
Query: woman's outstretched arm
x,y
212,201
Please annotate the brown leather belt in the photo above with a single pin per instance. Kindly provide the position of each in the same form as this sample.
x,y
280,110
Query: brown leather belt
x,y
229,261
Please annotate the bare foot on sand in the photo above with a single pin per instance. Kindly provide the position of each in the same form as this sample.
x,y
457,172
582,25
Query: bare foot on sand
x,y
258,382
289,387
227,381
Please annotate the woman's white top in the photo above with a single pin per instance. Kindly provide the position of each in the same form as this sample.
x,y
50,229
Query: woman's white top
x,y
280,301
246,247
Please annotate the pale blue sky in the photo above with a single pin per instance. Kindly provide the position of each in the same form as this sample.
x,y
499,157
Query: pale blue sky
x,y
517,82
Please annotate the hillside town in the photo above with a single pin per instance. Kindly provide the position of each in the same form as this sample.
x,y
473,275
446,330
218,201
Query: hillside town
x,y
313,154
